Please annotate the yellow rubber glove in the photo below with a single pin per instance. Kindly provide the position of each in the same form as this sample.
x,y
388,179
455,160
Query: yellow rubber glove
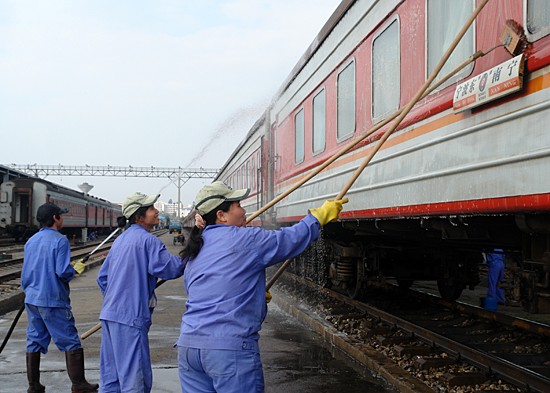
x,y
268,297
79,266
329,211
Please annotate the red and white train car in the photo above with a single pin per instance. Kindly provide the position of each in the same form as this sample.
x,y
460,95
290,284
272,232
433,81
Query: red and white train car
x,y
21,197
464,173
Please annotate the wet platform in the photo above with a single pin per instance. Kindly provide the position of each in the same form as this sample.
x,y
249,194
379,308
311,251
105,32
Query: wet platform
x,y
293,355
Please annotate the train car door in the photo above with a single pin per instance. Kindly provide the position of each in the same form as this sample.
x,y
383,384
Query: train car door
x,y
22,197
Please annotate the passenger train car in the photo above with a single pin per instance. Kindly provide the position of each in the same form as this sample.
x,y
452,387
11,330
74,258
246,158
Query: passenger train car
x,y
466,171
21,197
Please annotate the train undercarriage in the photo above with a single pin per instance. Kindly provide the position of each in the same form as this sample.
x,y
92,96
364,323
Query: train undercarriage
x,y
449,250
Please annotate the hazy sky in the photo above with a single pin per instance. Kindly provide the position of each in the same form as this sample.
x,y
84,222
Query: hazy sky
x,y
143,83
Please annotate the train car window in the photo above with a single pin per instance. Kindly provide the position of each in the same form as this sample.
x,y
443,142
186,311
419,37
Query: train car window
x,y
386,72
247,171
444,21
346,102
299,137
243,177
319,121
537,18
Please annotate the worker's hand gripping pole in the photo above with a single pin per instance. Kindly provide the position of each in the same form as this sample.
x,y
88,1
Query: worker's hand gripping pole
x,y
400,116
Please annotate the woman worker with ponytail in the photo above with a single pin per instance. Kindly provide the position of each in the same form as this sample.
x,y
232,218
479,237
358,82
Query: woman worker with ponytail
x,y
225,282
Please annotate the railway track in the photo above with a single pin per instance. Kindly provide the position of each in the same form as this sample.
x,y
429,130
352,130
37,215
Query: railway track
x,y
10,268
447,347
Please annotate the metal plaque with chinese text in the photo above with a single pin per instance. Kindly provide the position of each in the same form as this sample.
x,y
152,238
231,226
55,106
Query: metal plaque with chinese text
x,y
499,81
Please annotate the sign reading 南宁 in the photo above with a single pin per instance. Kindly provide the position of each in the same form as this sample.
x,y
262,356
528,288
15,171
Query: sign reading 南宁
x,y
499,81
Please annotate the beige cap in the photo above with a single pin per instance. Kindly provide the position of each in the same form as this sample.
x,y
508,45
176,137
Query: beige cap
x,y
213,195
135,201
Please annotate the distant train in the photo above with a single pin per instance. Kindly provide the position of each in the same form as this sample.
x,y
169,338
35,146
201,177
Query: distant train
x,y
21,197
466,171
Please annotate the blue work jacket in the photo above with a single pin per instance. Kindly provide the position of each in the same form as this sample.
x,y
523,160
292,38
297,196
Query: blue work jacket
x,y
47,269
129,275
225,282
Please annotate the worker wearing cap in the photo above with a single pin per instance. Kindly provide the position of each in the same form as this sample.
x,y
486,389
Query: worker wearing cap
x,y
45,278
127,280
225,282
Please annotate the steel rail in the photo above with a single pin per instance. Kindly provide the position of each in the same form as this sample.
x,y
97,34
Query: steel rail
x,y
507,370
513,373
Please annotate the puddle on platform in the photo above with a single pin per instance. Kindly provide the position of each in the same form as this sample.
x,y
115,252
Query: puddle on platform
x,y
301,363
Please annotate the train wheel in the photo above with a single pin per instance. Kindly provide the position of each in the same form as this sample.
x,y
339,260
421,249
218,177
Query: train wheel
x,y
450,288
355,287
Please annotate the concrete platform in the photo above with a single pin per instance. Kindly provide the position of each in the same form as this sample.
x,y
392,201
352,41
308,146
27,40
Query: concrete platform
x,y
293,355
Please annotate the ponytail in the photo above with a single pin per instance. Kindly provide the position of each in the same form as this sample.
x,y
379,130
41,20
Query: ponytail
x,y
194,242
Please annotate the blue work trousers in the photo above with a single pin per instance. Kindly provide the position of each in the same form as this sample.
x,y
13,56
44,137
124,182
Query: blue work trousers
x,y
220,371
124,360
51,323
495,275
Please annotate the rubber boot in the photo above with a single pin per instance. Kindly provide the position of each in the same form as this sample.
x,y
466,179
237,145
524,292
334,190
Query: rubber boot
x,y
33,373
75,368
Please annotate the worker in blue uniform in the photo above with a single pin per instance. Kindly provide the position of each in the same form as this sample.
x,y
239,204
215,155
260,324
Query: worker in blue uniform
x,y
225,283
495,274
127,280
45,278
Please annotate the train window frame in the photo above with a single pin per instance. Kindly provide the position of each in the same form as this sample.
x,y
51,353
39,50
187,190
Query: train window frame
x,y
538,34
376,118
303,137
241,179
351,132
252,173
319,92
247,171
449,65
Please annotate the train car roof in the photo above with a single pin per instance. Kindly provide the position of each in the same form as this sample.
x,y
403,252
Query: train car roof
x,y
69,191
251,132
11,173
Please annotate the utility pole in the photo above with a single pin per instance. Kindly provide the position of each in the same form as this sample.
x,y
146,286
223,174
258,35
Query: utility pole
x,y
179,197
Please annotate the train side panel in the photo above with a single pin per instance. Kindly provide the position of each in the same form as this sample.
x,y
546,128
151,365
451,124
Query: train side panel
x,y
20,199
246,167
447,185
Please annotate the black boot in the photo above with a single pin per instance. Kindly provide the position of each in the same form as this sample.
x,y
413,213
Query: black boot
x,y
75,368
33,373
